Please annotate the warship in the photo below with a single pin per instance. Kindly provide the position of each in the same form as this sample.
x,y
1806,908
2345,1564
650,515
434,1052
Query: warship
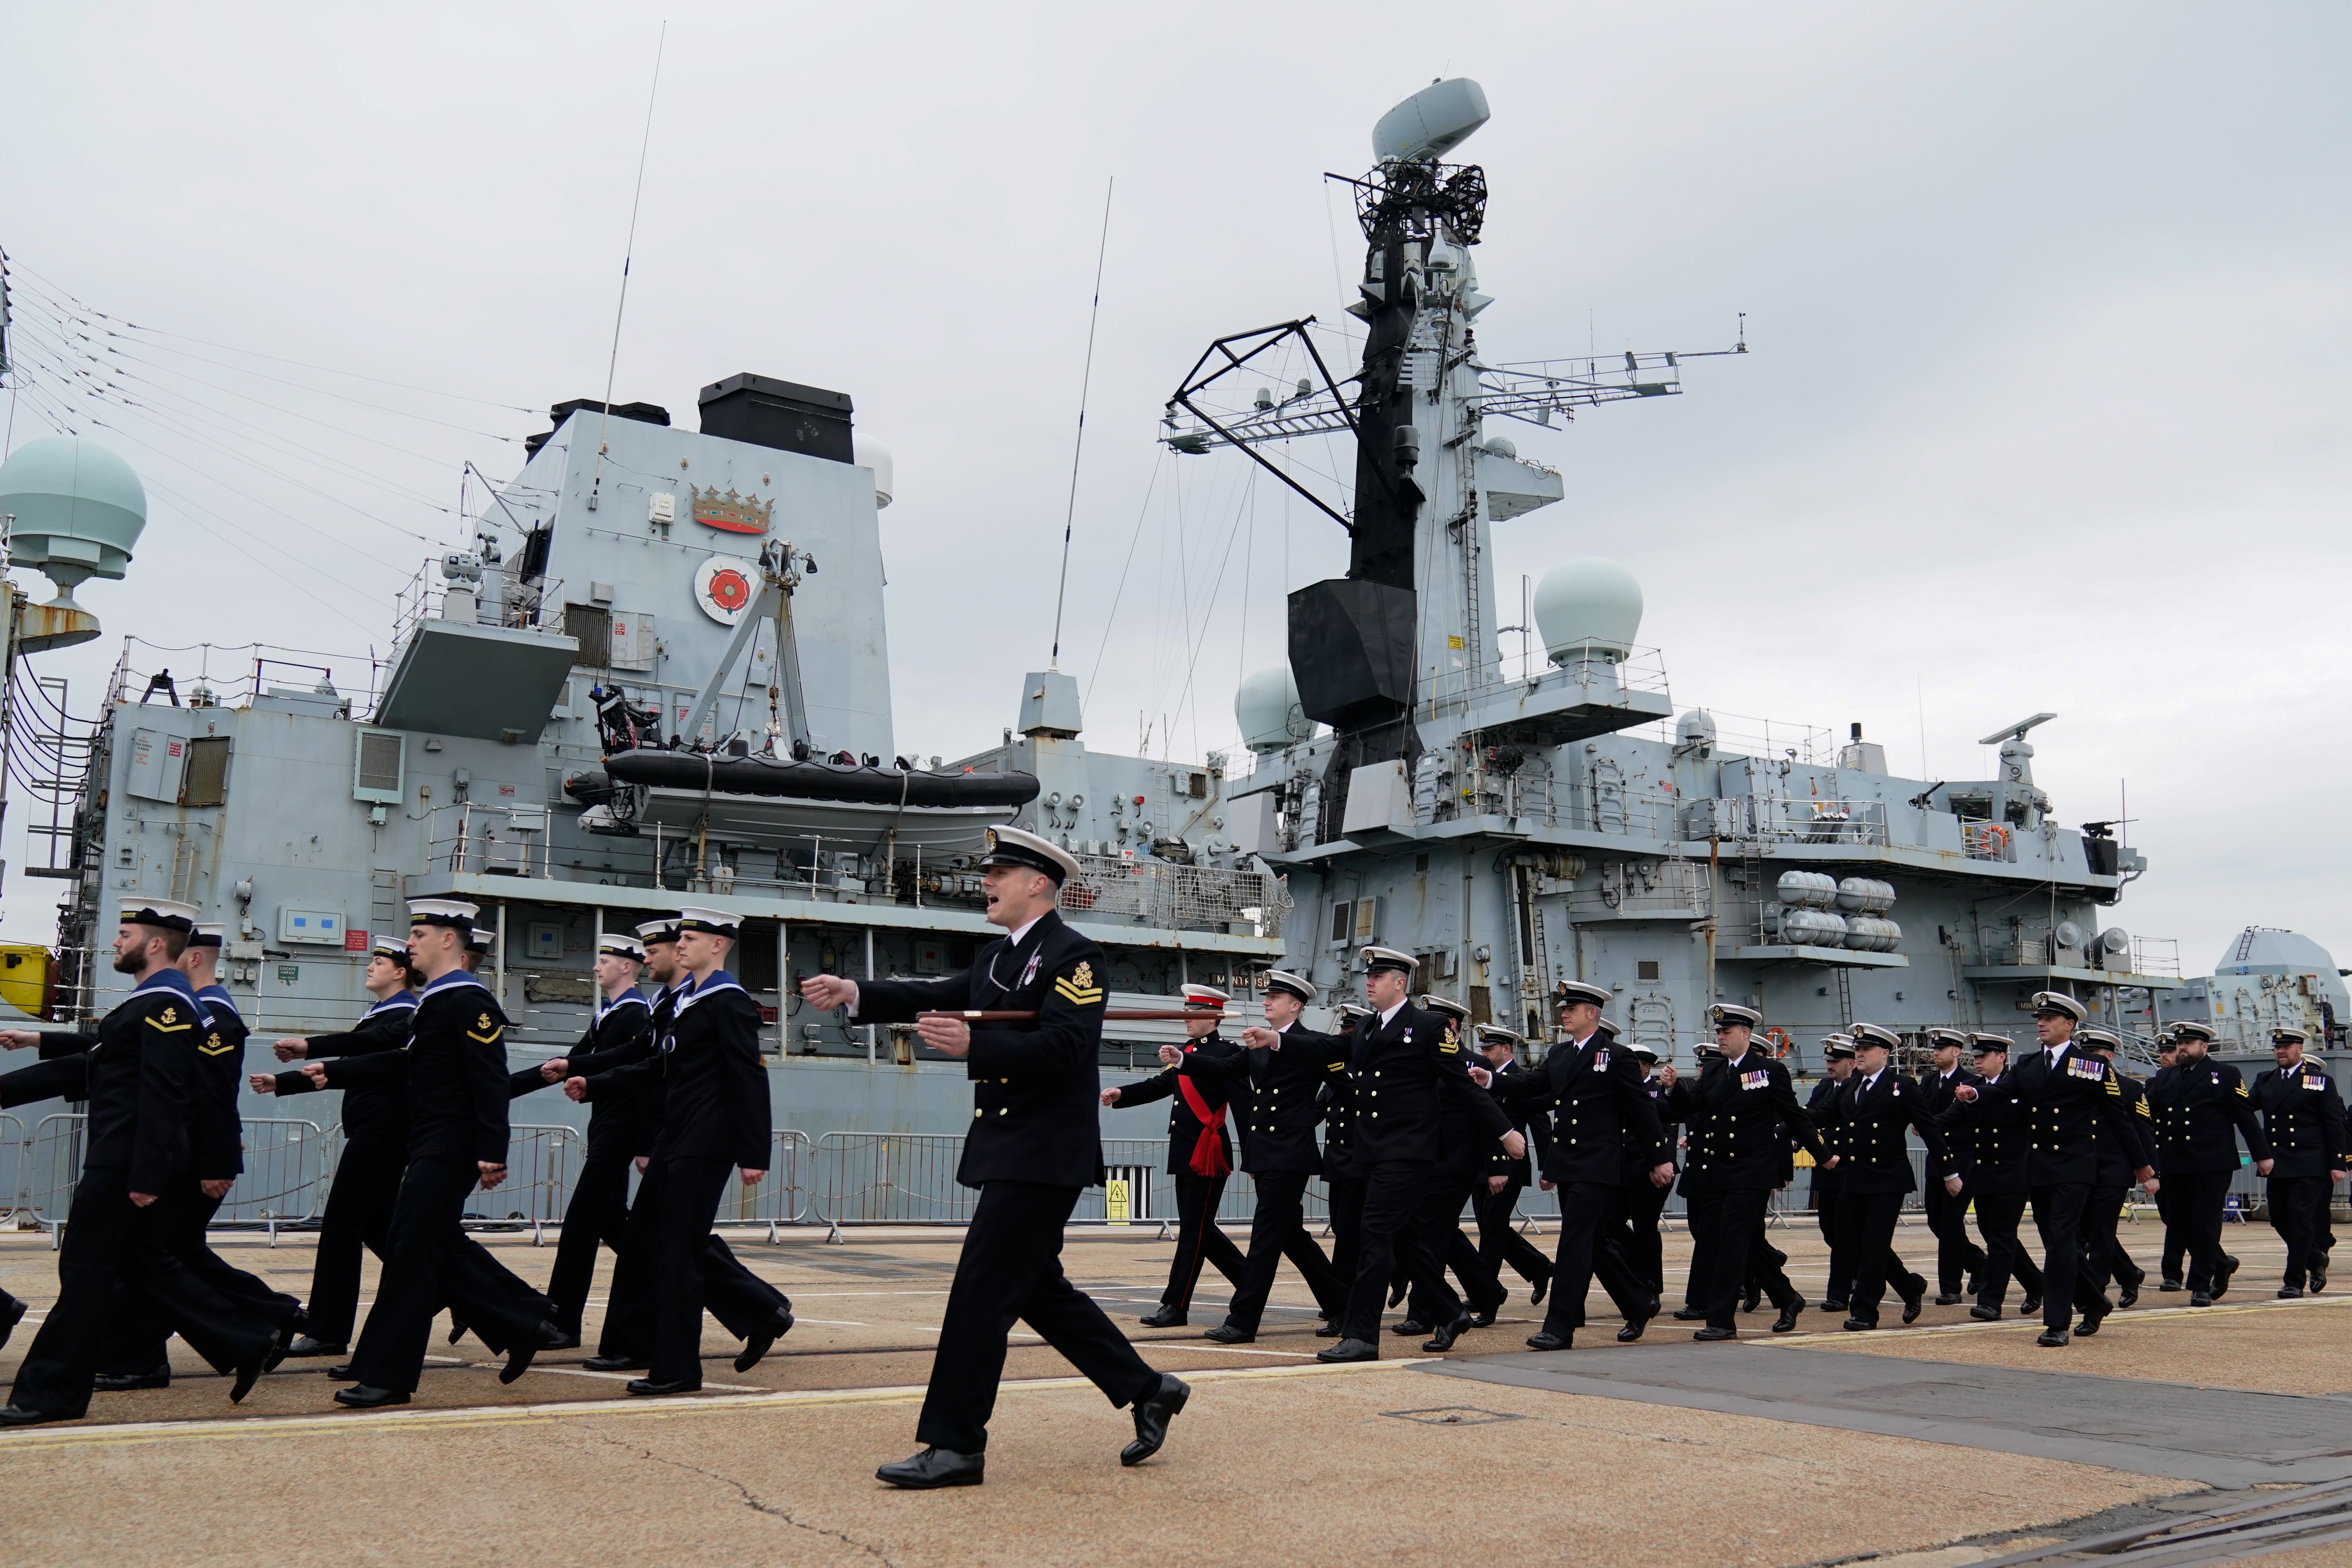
x,y
658,671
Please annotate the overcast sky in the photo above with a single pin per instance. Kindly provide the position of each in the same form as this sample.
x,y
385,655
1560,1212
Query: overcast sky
x,y
2047,405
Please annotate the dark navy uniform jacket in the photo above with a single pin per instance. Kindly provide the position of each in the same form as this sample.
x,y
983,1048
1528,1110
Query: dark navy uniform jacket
x,y
1866,1128
1406,1073
1598,1101
1936,1088
1036,1083
2303,1115
2118,1159
217,1134
620,1033
2066,1101
139,1078
1995,1129
454,1065
1822,1106
2200,1112
1741,1116
1276,1096
717,1105
1226,1079
379,1111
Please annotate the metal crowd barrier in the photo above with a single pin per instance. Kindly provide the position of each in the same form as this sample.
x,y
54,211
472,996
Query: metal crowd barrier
x,y
284,1177
15,1146
51,1165
783,1195
890,1178
543,1165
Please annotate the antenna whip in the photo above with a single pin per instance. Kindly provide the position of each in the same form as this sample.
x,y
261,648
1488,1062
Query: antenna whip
x,y
1085,385
628,254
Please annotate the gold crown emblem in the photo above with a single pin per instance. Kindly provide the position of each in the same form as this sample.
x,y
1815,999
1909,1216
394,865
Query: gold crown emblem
x,y
731,513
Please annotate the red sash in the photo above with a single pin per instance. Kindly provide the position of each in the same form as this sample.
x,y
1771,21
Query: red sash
x,y
1209,1152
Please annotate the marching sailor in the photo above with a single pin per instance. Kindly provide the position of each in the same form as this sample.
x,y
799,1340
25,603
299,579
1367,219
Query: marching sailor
x,y
1875,1107
1200,1147
1499,1241
1958,1260
1828,1182
1036,1142
1991,1123
2202,1107
2103,1254
2303,1115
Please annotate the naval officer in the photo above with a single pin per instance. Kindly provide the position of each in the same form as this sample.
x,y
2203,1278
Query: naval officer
x,y
1875,1108
1036,1143
2066,1095
2103,1256
1344,1177
1469,1163
2303,1115
1990,1122
2202,1107
1828,1182
1499,1241
375,1147
1200,1148
1288,1066
1407,1066
1958,1259
141,1068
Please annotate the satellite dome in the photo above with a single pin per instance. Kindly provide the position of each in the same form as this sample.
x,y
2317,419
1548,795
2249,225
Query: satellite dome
x,y
1695,728
874,455
1266,707
79,511
1588,610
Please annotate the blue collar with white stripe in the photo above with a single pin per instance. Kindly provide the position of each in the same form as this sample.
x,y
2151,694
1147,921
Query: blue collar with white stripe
x,y
450,982
404,1001
695,992
217,995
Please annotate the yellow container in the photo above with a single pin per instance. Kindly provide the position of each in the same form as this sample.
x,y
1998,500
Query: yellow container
x,y
24,976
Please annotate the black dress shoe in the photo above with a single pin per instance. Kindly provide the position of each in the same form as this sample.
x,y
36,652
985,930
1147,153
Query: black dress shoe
x,y
1227,1334
1410,1326
1972,1291
2319,1283
2200,1299
1329,1331
341,1371
2222,1278
1984,1314
120,1382
1833,1304
1711,1334
2030,1306
759,1344
1631,1330
2050,1339
519,1359
569,1342
366,1398
934,1467
1542,1286
1484,1317
1162,1317
2089,1325
1787,1318
1396,1292
1443,1340
456,1329
15,1315
1689,1315
1547,1340
249,1371
18,1415
615,1364
1949,1299
1912,1304
1859,1325
1152,1414
307,1346
2289,1293
1753,1299
649,1389
2127,1297
2170,1283
1350,1350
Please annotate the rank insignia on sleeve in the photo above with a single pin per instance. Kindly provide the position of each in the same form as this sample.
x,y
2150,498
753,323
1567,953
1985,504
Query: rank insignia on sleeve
x,y
1077,987
169,1021
1083,976
213,1046
2240,1087
487,1033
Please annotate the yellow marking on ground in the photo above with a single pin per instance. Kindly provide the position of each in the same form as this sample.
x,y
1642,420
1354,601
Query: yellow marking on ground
x,y
39,1439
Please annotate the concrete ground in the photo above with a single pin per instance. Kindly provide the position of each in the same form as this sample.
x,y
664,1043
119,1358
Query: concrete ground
x,y
1275,1454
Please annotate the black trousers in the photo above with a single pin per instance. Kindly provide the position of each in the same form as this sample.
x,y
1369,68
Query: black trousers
x,y
672,1268
2058,1214
1011,1269
1393,1195
2175,1239
2102,1255
1439,1217
359,1213
1279,1230
135,1336
1638,1240
2197,1211
1591,1213
1724,1225
1830,1210
2006,1257
1347,1232
598,1213
110,1246
1867,1224
1199,1239
2298,1208
1956,1257
429,1262
1499,1241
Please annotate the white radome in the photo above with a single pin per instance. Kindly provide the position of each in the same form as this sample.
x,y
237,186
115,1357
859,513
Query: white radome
x,y
1265,706
874,455
1588,609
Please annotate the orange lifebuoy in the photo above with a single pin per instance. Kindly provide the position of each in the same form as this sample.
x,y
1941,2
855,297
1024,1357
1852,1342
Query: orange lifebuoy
x,y
1778,1038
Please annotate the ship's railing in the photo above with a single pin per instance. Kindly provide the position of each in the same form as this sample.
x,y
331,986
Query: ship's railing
x,y
507,838
1983,840
143,675
1187,898
2159,955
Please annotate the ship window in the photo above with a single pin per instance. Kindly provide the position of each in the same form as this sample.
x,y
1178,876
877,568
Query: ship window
x,y
592,627
1645,969
205,782
1343,921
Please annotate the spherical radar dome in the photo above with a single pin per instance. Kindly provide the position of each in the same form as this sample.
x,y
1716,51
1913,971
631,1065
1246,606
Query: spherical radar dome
x,y
1266,707
78,509
874,455
1588,609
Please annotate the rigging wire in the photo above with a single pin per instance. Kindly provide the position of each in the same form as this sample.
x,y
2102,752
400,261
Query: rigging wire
x,y
1110,618
1078,447
628,254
